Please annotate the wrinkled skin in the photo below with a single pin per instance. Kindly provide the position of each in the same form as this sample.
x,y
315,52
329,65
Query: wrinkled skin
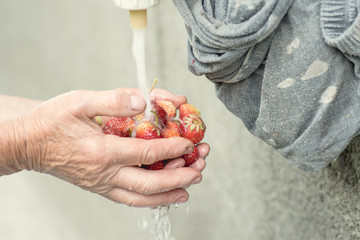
x,y
60,137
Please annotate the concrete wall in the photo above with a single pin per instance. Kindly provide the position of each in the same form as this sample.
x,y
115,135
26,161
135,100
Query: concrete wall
x,y
249,192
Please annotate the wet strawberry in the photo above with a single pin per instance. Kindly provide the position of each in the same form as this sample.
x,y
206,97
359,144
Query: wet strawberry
x,y
188,109
160,114
147,130
169,108
155,166
120,126
172,129
191,158
192,128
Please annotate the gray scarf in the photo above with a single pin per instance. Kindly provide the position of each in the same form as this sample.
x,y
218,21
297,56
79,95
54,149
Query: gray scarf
x,y
289,69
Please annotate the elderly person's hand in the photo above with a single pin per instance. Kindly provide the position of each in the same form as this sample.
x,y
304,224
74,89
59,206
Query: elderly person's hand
x,y
60,137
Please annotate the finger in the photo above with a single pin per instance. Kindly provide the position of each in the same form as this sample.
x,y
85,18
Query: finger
x,y
161,94
157,94
133,199
198,165
204,150
175,163
148,182
134,151
119,102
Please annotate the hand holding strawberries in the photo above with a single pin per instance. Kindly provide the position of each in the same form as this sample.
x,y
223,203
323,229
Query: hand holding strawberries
x,y
162,123
59,137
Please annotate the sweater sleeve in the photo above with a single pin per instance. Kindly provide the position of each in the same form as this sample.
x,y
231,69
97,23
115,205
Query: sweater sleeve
x,y
340,23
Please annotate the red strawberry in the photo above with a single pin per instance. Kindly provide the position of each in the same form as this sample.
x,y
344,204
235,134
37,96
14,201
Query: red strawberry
x,y
160,114
193,128
187,109
120,126
147,130
172,129
169,108
191,158
155,166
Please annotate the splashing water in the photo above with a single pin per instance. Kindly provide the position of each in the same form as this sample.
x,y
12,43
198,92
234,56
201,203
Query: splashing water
x,y
162,224
159,224
138,51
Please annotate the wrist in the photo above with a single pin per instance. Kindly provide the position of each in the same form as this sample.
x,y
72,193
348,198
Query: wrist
x,y
12,145
14,135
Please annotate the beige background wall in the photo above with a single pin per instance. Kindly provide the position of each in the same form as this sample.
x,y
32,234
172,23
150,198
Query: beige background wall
x,y
249,192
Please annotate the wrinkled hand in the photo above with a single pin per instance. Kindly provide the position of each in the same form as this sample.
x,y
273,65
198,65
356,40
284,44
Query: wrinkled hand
x,y
59,137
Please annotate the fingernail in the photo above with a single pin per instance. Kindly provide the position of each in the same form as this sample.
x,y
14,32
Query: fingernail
x,y
179,164
137,103
189,150
196,181
175,164
181,200
196,165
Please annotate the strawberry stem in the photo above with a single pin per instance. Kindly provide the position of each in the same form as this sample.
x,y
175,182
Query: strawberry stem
x,y
153,85
98,120
156,118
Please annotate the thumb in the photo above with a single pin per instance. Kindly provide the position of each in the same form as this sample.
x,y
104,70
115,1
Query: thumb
x,y
119,102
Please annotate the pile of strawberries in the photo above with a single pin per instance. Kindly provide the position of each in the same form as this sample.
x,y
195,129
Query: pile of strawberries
x,y
163,123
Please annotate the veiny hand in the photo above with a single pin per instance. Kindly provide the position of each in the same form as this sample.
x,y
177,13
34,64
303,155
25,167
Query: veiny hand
x,y
59,137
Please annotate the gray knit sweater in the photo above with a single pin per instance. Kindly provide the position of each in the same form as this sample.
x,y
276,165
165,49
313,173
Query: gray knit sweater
x,y
289,69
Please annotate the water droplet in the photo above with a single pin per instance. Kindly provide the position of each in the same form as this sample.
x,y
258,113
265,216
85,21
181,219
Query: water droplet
x,y
161,229
143,223
187,210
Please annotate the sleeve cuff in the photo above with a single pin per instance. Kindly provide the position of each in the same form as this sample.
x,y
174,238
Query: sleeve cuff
x,y
340,24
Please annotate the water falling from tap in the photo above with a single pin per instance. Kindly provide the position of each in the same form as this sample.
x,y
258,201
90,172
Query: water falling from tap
x,y
138,51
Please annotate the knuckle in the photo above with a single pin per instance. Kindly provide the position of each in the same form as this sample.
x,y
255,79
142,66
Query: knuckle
x,y
119,97
148,154
143,187
78,94
94,152
131,201
80,99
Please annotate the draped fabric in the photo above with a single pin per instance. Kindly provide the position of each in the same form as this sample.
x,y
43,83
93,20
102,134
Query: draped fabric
x,y
289,69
